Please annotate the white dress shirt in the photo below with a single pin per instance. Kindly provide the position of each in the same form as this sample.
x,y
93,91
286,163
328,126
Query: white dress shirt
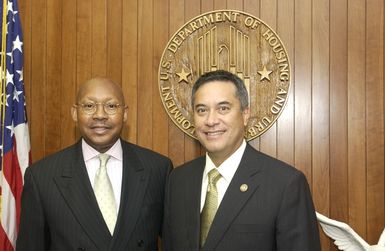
x,y
227,169
114,166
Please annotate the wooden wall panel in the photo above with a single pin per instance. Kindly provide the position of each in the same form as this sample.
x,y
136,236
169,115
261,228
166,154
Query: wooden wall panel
x,y
145,74
320,108
356,117
302,87
374,118
192,146
38,77
130,67
176,136
84,40
68,72
161,36
268,141
99,38
253,7
53,102
332,127
114,41
285,122
338,112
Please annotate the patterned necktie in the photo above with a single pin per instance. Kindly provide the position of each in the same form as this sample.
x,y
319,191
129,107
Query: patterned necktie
x,y
104,193
211,204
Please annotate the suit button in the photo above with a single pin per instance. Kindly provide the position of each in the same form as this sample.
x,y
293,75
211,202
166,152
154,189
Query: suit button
x,y
81,249
140,243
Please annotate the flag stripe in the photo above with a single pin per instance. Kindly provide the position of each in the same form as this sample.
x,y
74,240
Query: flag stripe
x,y
23,146
9,206
4,241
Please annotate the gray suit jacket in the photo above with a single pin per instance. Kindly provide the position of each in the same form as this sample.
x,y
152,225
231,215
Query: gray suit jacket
x,y
60,212
275,213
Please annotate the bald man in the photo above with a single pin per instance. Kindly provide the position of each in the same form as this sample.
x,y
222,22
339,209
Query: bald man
x,y
101,193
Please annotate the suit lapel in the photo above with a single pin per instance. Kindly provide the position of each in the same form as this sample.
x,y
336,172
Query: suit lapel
x,y
134,183
75,187
234,199
193,186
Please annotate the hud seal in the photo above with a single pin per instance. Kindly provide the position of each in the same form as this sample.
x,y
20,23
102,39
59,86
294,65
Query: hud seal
x,y
229,40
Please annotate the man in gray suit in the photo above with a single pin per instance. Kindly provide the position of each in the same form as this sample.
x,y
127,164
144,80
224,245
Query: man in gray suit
x,y
235,198
101,193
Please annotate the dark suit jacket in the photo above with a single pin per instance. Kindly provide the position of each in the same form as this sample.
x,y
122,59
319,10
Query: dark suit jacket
x,y
60,212
275,213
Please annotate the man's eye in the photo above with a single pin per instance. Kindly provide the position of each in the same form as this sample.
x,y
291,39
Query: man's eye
x,y
88,106
224,108
112,106
200,110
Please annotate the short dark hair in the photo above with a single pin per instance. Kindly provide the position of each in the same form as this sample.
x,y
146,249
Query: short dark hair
x,y
222,75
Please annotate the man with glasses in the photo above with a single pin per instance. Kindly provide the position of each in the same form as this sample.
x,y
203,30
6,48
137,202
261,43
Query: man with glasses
x,y
102,193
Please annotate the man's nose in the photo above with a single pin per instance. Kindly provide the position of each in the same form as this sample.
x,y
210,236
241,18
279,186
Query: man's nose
x,y
100,112
212,118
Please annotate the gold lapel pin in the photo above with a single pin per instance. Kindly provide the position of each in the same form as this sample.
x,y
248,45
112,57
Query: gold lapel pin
x,y
243,188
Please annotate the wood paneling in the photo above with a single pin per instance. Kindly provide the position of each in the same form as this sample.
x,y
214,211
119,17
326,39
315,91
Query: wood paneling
x,y
332,127
302,87
356,116
374,79
338,112
68,71
320,108
268,141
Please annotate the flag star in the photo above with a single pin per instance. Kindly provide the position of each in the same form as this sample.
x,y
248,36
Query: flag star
x,y
21,78
17,44
9,77
6,100
10,6
11,128
16,94
10,54
10,9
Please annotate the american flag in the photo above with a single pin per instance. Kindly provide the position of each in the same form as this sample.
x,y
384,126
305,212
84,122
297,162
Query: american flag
x,y
14,136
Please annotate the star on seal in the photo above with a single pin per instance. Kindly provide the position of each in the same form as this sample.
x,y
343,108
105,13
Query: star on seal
x,y
183,76
265,73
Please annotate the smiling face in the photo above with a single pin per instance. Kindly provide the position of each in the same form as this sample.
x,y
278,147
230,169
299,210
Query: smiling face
x,y
219,119
100,130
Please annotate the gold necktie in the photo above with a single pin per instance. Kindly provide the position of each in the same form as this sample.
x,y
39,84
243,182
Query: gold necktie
x,y
211,204
104,193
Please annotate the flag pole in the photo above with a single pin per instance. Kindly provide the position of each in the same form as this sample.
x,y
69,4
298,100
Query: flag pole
x,y
3,85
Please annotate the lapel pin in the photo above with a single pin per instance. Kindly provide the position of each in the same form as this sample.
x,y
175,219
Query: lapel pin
x,y
243,188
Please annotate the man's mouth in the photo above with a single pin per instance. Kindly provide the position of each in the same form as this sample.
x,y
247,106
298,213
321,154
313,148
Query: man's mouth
x,y
99,129
214,133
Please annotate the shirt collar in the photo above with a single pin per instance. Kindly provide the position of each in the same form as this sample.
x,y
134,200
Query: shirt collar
x,y
228,168
89,152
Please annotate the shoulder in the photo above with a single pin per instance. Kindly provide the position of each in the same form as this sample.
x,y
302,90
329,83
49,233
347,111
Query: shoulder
x,y
187,169
142,152
54,163
148,158
271,166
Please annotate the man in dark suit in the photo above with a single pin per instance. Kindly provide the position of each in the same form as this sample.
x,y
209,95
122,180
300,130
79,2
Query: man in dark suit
x,y
235,198
102,193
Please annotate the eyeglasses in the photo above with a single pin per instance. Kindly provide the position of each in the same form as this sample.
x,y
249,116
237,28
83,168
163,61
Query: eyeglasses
x,y
90,108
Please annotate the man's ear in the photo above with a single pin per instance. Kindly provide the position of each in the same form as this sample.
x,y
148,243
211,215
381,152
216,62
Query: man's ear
x,y
74,113
125,114
246,116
